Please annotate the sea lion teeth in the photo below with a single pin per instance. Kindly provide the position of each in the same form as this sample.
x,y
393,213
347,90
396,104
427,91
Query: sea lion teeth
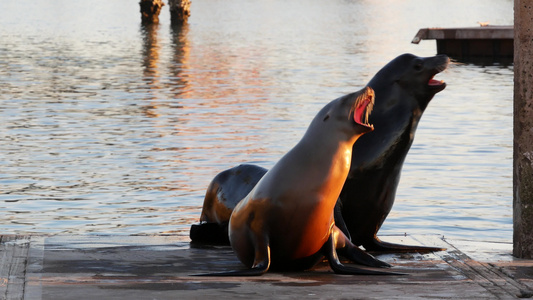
x,y
435,82
362,109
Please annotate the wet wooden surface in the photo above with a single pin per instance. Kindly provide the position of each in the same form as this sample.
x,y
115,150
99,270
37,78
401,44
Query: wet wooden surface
x,y
160,267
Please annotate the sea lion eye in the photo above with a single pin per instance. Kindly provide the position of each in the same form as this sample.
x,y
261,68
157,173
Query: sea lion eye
x,y
418,65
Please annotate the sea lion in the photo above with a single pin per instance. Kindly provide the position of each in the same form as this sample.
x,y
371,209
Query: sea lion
x,y
403,88
287,221
223,193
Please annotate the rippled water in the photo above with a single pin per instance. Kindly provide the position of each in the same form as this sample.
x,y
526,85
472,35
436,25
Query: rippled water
x,y
111,127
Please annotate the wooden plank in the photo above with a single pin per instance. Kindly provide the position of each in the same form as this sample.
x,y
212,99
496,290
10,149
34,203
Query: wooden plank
x,y
5,263
126,267
14,252
34,267
488,276
81,267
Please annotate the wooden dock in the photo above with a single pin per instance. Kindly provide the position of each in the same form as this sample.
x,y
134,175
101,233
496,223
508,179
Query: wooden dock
x,y
484,42
159,267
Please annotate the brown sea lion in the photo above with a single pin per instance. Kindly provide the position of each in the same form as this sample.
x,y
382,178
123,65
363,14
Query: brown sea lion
x,y
287,221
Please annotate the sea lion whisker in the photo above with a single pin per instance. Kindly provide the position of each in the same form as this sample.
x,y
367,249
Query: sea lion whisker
x,y
456,62
441,68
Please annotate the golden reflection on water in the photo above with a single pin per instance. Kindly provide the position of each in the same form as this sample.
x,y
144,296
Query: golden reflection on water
x,y
206,90
112,127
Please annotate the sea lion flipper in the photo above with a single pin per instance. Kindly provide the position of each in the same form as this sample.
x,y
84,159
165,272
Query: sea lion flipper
x,y
339,220
246,272
209,233
260,265
255,271
259,268
380,246
347,249
330,252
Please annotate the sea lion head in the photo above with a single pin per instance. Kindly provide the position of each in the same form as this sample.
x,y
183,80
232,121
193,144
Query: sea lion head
x,y
413,75
423,70
352,111
403,87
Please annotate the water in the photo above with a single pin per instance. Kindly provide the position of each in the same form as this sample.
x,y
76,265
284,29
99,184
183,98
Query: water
x,y
109,127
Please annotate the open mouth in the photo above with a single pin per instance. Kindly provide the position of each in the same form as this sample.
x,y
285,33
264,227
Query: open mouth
x,y
363,107
437,85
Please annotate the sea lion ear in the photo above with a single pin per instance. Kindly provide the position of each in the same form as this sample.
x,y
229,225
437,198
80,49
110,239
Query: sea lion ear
x,y
326,118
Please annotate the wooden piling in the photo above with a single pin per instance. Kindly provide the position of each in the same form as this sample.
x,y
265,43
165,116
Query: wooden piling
x,y
180,10
150,10
523,130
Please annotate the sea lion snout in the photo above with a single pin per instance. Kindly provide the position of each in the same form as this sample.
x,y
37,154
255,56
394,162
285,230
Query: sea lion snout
x,y
443,58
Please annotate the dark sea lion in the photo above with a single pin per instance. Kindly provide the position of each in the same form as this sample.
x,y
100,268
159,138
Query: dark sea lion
x,y
222,195
287,221
403,88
